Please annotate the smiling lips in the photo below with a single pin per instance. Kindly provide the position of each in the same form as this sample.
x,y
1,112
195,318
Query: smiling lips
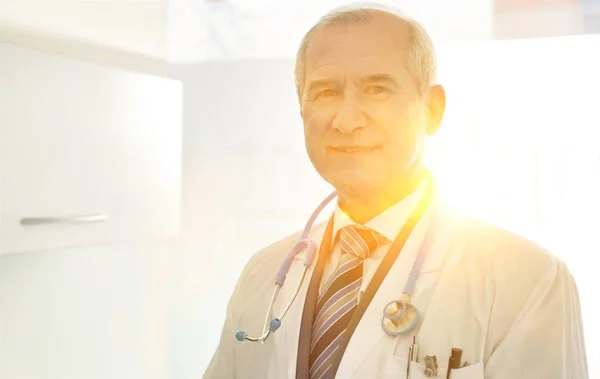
x,y
353,149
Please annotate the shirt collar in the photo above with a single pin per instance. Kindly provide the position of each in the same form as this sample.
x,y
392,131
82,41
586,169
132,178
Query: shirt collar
x,y
387,223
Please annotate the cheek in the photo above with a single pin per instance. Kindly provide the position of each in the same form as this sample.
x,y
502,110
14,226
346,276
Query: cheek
x,y
316,123
407,128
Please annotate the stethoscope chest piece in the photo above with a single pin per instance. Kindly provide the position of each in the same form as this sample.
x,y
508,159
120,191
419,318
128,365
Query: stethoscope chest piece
x,y
399,317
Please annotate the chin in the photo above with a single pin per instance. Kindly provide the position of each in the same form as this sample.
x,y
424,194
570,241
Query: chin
x,y
353,183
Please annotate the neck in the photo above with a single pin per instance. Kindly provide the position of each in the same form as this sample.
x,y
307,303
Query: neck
x,y
365,206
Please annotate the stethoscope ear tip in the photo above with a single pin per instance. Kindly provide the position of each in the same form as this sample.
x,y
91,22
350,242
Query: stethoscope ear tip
x,y
240,336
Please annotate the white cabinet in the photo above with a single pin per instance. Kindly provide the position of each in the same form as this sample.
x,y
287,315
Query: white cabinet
x,y
88,154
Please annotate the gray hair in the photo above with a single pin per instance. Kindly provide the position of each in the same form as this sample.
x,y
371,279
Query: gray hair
x,y
421,61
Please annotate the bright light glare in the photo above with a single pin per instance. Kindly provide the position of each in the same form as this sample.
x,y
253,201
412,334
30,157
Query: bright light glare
x,y
516,112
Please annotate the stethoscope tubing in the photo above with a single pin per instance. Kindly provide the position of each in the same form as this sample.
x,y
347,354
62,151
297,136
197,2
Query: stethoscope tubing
x,y
310,250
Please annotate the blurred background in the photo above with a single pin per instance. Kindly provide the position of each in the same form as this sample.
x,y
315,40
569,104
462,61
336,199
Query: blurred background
x,y
148,148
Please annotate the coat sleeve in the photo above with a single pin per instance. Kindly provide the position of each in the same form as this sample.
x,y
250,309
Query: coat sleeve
x,y
545,339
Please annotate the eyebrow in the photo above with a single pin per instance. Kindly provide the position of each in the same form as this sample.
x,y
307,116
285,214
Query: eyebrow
x,y
379,78
373,78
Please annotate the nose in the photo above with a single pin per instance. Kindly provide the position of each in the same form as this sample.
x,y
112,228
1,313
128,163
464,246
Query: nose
x,y
350,116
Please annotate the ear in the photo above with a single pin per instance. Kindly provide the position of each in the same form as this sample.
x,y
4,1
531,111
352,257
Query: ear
x,y
436,106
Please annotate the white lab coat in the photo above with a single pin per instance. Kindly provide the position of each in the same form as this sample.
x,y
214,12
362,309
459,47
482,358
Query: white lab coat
x,y
510,306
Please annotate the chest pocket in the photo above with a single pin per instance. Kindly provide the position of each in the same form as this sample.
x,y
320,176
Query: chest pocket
x,y
396,369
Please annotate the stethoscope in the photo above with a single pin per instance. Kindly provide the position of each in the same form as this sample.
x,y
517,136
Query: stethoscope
x,y
399,316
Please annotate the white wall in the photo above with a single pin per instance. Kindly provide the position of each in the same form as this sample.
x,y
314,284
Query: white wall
x,y
547,21
535,19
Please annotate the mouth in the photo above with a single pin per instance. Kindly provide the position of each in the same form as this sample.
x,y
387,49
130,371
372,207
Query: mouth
x,y
353,149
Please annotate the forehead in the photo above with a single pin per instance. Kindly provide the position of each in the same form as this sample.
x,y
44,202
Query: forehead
x,y
374,46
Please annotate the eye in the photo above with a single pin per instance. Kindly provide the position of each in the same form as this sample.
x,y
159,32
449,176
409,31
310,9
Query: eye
x,y
326,93
375,90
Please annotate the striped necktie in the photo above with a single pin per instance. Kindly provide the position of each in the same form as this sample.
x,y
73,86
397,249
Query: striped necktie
x,y
339,298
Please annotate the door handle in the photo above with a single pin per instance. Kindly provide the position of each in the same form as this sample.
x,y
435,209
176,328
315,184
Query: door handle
x,y
81,219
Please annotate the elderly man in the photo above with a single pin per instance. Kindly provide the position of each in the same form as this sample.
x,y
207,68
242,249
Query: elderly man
x,y
402,286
